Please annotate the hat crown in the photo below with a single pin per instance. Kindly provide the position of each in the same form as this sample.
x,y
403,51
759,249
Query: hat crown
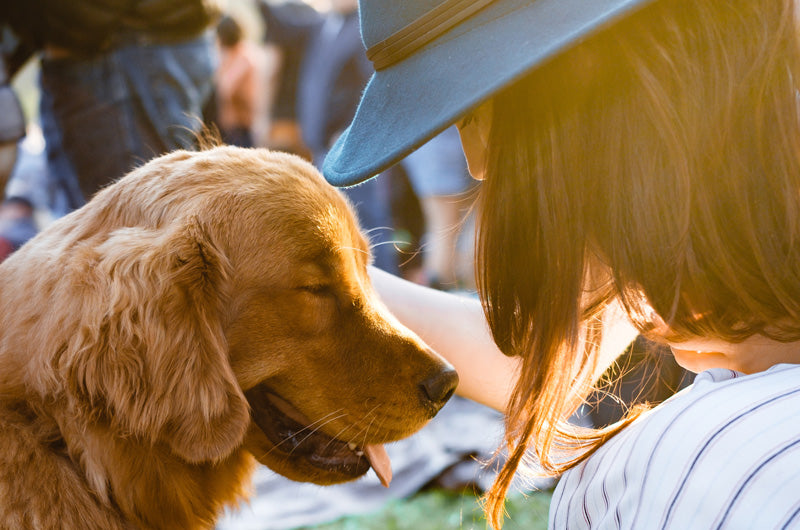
x,y
382,18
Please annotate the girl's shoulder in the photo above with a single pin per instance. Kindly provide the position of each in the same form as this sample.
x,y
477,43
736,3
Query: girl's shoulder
x,y
725,449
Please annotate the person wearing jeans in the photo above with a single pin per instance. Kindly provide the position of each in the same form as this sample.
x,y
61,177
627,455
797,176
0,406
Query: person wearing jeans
x,y
105,115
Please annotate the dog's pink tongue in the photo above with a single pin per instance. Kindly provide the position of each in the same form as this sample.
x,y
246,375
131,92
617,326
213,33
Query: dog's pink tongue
x,y
376,454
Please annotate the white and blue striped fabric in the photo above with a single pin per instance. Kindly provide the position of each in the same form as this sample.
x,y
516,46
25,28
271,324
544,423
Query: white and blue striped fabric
x,y
722,454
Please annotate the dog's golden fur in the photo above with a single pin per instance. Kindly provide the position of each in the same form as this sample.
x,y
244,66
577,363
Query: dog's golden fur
x,y
144,337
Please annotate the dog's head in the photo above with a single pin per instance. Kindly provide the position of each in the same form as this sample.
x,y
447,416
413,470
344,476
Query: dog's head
x,y
224,303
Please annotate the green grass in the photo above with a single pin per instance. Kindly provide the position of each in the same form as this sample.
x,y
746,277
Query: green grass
x,y
439,510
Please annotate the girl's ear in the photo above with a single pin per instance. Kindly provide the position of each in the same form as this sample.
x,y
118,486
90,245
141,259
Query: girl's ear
x,y
151,357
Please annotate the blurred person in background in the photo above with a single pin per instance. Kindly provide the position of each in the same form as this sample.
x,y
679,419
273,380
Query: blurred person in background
x,y
12,121
438,174
238,84
121,81
287,32
12,131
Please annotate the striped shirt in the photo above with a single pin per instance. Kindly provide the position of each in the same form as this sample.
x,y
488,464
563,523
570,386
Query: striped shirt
x,y
723,453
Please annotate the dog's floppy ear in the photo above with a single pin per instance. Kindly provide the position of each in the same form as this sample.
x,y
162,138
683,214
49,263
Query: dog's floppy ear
x,y
151,357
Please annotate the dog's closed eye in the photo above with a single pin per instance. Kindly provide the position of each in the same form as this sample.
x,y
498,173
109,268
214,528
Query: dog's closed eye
x,y
320,289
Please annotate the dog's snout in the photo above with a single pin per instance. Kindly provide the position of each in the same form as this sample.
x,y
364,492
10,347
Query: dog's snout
x,y
439,387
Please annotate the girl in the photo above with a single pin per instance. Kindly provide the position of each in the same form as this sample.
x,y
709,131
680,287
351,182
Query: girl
x,y
642,168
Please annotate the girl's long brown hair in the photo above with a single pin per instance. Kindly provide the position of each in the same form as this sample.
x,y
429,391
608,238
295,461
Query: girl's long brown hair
x,y
657,164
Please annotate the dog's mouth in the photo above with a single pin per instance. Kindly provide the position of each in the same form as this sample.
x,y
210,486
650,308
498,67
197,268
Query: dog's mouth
x,y
293,434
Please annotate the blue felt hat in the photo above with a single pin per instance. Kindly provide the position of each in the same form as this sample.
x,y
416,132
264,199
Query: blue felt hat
x,y
436,59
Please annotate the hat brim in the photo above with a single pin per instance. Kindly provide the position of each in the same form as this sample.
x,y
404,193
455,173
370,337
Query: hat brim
x,y
405,105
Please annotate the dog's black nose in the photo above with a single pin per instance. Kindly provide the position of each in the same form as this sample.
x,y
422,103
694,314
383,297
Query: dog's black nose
x,y
439,387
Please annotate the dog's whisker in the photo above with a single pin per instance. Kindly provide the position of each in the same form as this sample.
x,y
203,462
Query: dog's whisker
x,y
379,425
397,243
365,420
317,425
366,431
388,242
315,429
363,430
370,421
368,417
339,435
326,419
311,428
372,415
377,229
348,247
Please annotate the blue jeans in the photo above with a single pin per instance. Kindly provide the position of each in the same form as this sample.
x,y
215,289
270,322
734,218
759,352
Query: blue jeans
x,y
439,168
105,115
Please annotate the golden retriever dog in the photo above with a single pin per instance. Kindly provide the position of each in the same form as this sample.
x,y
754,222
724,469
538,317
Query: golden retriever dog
x,y
206,311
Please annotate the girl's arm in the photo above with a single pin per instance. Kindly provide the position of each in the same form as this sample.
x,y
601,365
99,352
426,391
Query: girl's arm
x,y
455,327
